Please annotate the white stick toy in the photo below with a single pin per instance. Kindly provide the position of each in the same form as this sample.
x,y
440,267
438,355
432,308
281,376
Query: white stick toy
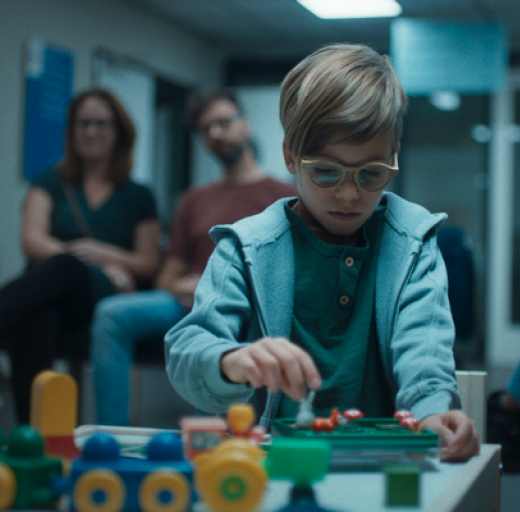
x,y
305,415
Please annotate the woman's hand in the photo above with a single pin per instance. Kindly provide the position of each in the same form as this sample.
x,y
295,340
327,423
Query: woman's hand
x,y
122,280
92,251
184,290
140,261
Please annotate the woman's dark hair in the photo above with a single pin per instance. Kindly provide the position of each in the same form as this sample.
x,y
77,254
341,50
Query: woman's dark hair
x,y
71,166
199,101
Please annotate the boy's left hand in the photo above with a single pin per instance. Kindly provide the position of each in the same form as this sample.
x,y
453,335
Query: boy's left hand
x,y
458,434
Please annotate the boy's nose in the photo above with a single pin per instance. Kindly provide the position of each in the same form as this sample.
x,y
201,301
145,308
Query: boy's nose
x,y
347,189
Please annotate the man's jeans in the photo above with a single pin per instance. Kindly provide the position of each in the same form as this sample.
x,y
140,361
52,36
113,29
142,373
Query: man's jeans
x,y
119,322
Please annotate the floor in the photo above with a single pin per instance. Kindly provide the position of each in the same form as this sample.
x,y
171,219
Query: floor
x,y
510,493
157,405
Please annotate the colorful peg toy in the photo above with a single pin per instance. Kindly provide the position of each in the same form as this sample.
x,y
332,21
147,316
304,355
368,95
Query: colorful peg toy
x,y
353,414
406,419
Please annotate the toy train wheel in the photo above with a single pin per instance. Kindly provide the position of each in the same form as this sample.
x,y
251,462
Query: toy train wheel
x,y
233,485
7,487
165,491
99,491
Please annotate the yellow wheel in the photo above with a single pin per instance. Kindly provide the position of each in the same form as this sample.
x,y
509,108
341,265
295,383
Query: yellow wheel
x,y
99,491
164,491
7,486
233,484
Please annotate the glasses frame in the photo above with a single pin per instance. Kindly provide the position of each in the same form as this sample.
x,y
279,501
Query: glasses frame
x,y
101,125
223,123
355,169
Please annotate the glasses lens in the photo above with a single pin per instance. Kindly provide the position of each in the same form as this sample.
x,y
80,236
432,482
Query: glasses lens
x,y
372,178
325,174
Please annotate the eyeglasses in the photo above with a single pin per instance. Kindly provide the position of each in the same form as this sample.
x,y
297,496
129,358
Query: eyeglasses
x,y
370,177
101,125
223,122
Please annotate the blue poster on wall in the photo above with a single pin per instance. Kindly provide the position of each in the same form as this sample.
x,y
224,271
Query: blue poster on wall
x,y
48,91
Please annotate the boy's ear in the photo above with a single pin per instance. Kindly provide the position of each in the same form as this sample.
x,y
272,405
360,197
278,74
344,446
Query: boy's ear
x,y
289,160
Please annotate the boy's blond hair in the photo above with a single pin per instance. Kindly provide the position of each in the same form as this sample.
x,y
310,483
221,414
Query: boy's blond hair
x,y
341,93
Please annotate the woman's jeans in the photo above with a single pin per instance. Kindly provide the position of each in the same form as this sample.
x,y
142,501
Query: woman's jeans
x,y
119,322
52,297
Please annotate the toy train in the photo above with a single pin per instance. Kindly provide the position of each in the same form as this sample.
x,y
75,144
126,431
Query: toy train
x,y
231,478
227,473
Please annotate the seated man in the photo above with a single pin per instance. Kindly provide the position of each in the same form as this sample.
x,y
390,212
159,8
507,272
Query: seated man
x,y
243,190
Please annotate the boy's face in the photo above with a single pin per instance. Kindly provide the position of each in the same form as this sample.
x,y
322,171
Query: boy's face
x,y
343,209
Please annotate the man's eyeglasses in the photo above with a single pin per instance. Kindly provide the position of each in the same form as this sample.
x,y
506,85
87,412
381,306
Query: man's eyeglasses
x,y
370,177
223,122
101,125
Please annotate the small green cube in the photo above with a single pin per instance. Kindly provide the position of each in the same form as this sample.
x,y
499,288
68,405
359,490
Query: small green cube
x,y
402,485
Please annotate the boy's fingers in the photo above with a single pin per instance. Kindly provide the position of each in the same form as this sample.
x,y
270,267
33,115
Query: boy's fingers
x,y
311,373
459,436
269,369
462,444
275,363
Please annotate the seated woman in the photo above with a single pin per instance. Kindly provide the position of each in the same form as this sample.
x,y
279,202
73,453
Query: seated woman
x,y
88,232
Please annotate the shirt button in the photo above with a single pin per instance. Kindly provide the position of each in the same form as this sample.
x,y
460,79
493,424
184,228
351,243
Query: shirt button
x,y
349,261
343,300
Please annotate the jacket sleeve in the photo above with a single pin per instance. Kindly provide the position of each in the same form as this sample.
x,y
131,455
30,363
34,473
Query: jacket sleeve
x,y
422,341
221,313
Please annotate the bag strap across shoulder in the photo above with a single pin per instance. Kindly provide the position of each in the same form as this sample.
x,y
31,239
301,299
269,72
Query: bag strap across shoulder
x,y
77,213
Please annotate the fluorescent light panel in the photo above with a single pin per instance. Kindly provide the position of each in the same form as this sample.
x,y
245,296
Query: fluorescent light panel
x,y
329,9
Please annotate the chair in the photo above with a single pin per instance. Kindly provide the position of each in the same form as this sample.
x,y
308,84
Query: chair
x,y
73,349
472,391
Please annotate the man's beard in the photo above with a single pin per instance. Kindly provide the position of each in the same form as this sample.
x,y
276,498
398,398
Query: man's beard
x,y
231,155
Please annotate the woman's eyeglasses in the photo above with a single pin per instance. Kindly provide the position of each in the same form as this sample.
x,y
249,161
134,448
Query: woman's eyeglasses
x,y
101,125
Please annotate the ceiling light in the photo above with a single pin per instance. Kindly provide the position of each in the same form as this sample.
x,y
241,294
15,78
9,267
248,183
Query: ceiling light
x,y
352,8
445,100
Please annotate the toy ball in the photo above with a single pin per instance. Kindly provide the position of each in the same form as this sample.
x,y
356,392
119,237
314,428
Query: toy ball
x,y
165,446
101,447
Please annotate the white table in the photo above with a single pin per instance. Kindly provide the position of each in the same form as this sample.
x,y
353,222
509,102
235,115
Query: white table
x,y
473,486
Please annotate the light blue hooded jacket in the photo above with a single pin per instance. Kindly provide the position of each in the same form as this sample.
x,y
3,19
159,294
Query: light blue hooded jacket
x,y
246,293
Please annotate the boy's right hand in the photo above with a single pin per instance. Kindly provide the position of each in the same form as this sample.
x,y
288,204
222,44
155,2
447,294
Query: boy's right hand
x,y
275,363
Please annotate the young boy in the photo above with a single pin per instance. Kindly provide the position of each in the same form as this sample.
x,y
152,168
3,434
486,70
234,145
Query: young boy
x,y
343,289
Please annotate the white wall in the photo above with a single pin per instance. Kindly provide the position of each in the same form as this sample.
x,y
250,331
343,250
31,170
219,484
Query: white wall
x,y
82,27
